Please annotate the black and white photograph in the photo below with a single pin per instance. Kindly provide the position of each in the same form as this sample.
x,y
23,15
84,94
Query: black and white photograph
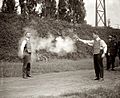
x,y
59,48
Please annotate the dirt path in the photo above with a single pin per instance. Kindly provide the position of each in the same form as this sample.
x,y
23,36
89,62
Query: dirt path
x,y
54,84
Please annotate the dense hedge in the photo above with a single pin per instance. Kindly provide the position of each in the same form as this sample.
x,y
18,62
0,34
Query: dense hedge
x,y
11,31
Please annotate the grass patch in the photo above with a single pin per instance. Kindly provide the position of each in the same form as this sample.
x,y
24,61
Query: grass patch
x,y
12,69
8,69
100,92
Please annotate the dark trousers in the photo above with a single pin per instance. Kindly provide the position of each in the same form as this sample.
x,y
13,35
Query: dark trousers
x,y
110,61
48,12
26,65
98,66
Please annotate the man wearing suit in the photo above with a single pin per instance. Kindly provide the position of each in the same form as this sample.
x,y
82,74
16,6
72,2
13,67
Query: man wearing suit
x,y
99,51
26,55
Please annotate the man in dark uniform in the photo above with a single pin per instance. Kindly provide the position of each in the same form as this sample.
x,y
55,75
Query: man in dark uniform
x,y
26,55
119,50
111,52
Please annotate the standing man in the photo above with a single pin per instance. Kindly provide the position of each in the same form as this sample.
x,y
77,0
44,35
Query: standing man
x,y
48,8
119,51
111,52
26,55
99,51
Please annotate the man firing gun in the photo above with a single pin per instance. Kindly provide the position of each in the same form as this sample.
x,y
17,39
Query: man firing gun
x,y
99,51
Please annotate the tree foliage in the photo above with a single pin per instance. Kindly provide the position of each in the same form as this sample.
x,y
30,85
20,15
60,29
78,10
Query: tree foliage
x,y
8,6
69,10
72,10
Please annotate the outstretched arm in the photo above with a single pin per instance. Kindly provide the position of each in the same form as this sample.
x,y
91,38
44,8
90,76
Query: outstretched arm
x,y
88,42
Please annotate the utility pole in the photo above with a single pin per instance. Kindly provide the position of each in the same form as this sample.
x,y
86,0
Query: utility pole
x,y
100,13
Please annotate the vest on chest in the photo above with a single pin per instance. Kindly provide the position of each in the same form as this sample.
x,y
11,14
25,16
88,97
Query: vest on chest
x,y
96,47
27,47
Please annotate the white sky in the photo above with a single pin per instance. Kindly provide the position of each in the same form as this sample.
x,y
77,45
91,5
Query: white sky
x,y
112,11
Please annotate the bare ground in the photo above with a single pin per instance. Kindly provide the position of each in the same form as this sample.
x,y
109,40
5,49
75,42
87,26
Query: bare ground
x,y
55,84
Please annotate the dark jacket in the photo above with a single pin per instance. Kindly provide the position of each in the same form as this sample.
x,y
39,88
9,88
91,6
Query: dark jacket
x,y
112,48
119,49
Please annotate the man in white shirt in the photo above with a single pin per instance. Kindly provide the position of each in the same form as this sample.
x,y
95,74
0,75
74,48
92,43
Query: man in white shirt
x,y
99,51
26,55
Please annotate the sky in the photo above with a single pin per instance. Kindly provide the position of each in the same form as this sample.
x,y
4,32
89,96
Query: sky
x,y
112,11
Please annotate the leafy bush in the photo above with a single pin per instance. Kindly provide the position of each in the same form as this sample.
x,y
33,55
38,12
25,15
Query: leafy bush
x,y
11,31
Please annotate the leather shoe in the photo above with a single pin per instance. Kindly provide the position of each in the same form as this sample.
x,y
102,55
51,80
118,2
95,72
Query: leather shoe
x,y
28,75
25,77
113,69
101,79
96,79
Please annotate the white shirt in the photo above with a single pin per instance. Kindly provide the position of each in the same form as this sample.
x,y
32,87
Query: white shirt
x,y
23,45
103,45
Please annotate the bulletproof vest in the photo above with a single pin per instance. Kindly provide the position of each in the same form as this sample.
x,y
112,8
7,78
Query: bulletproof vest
x,y
96,47
27,47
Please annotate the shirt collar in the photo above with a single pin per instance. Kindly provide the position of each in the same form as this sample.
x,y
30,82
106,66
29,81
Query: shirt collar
x,y
97,39
27,39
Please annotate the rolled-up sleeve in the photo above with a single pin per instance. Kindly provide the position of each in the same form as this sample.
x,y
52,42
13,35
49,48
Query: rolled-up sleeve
x,y
103,46
22,46
88,42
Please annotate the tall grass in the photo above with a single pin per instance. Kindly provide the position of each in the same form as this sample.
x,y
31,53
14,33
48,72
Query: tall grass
x,y
8,69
